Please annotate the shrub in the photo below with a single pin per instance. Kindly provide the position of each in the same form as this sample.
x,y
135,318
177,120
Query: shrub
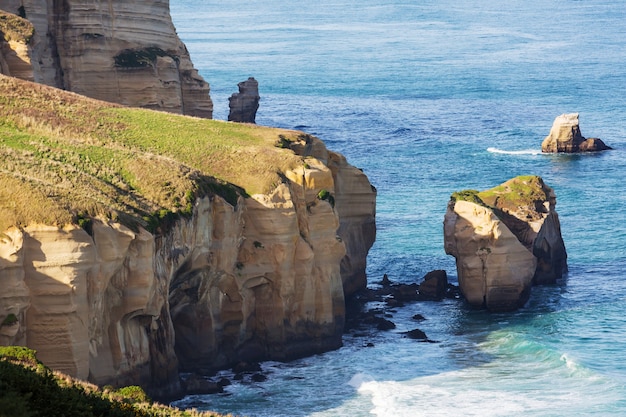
x,y
326,195
9,320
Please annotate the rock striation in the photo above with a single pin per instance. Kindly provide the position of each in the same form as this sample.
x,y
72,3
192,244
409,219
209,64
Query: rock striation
x,y
261,279
244,105
565,137
504,240
116,51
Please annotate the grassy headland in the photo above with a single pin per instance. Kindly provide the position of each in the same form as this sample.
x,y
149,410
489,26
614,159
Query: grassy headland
x,y
64,157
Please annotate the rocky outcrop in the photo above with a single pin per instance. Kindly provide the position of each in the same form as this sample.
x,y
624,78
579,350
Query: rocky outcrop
x,y
116,51
258,280
565,137
244,105
504,240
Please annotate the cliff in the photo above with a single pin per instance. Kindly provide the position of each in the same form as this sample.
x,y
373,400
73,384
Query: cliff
x,y
130,250
126,53
504,240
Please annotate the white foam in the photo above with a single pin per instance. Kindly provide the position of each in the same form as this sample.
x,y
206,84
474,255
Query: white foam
x,y
359,379
521,152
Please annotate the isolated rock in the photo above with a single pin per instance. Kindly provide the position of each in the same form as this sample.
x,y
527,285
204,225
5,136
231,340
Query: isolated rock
x,y
434,286
244,105
504,239
565,137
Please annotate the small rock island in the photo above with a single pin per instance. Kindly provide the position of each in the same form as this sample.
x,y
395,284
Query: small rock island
x,y
505,240
565,137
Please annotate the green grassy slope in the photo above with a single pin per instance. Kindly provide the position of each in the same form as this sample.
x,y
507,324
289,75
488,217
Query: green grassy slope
x,y
64,157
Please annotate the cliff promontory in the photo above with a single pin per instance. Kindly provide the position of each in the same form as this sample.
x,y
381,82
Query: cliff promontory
x,y
504,240
135,243
118,51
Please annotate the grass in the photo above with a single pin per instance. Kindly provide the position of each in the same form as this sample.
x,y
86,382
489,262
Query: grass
x,y
525,192
14,28
64,157
28,388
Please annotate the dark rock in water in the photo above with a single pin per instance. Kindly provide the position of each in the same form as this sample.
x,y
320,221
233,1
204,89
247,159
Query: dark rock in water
x,y
385,282
405,292
198,385
224,382
434,286
419,317
384,324
258,378
416,334
370,344
244,105
593,145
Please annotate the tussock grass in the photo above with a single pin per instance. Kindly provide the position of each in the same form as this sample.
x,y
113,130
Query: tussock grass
x,y
63,156
14,28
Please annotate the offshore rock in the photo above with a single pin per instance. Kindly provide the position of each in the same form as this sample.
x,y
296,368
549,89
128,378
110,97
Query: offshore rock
x,y
117,51
504,240
255,281
565,137
244,105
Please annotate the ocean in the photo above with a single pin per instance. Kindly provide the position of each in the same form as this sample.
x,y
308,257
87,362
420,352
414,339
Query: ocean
x,y
431,97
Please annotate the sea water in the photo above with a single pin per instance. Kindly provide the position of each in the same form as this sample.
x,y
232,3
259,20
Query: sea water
x,y
431,97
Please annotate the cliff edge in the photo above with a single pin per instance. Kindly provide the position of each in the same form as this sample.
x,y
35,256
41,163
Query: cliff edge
x,y
134,243
126,53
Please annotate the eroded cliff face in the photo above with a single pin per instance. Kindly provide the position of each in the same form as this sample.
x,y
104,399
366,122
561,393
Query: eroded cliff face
x,y
505,240
261,280
116,51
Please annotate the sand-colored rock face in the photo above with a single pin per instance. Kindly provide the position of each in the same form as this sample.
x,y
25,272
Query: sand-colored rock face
x,y
565,137
262,280
117,51
505,240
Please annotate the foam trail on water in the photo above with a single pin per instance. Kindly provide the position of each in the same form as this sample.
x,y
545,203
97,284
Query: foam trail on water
x,y
522,152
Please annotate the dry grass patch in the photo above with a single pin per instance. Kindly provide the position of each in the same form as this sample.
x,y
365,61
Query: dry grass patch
x,y
86,157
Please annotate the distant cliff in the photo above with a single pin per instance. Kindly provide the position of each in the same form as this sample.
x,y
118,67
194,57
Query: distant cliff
x,y
118,51
123,258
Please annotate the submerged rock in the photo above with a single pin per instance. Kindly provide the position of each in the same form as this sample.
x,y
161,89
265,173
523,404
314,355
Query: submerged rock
x,y
504,240
565,137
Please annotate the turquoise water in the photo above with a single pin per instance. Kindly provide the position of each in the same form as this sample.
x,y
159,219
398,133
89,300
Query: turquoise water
x,y
429,98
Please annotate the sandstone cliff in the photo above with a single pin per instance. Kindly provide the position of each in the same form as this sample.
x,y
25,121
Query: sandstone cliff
x,y
126,53
212,277
504,240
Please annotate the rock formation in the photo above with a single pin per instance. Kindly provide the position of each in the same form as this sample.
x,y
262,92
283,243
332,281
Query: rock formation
x,y
258,280
565,137
243,105
127,53
504,240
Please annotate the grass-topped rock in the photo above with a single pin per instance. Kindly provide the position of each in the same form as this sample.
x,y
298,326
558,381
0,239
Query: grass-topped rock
x,y
504,239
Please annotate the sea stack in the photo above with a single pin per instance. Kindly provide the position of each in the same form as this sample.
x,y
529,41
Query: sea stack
x,y
244,105
565,137
504,240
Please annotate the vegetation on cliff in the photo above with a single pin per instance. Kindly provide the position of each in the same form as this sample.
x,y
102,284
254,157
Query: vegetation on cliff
x,y
15,28
28,388
65,158
519,192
